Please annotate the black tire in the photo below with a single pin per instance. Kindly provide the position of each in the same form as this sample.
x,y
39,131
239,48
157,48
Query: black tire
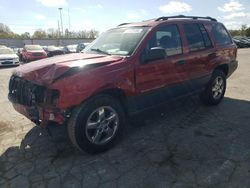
x,y
25,61
20,58
208,96
77,125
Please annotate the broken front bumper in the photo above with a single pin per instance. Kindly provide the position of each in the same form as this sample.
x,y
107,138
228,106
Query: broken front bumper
x,y
33,101
41,115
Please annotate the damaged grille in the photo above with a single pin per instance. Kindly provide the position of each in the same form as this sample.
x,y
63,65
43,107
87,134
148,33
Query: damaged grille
x,y
24,92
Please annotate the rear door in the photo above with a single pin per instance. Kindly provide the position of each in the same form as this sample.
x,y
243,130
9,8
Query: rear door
x,y
226,50
194,72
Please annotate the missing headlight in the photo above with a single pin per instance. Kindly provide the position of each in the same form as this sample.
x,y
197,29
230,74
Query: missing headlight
x,y
51,96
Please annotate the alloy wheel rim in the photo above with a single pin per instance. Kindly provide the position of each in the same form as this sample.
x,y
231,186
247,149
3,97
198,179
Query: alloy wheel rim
x,y
218,88
102,125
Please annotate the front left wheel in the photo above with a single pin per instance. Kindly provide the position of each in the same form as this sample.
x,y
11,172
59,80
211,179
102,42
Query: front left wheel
x,y
96,125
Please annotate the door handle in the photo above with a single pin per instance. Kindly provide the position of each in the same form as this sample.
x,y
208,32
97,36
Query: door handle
x,y
212,55
181,62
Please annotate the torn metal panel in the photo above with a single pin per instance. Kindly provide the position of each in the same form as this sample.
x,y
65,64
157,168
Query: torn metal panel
x,y
44,72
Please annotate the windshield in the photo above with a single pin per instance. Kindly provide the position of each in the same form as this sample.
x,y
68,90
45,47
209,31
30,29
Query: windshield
x,y
6,51
119,41
33,47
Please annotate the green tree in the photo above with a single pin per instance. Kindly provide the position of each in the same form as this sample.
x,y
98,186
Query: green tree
x,y
4,28
235,32
52,33
5,32
243,29
25,35
93,33
248,32
66,33
39,34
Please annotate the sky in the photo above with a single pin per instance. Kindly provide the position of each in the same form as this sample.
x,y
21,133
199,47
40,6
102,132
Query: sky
x,y
30,15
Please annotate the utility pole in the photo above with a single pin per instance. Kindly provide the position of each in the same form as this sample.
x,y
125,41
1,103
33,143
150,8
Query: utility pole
x,y
59,32
69,19
60,10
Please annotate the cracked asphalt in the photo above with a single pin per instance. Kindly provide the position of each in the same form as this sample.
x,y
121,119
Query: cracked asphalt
x,y
180,145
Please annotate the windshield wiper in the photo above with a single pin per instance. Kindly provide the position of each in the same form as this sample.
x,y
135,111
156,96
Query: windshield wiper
x,y
100,51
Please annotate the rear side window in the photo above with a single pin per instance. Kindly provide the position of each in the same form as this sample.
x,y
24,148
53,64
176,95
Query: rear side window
x,y
220,34
194,37
206,38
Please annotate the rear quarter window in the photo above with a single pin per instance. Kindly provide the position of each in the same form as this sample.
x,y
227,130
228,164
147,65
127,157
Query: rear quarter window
x,y
221,35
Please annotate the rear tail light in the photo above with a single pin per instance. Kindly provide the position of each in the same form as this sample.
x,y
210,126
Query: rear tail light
x,y
235,53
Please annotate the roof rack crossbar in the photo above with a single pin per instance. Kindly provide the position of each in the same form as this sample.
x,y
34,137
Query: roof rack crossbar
x,y
182,16
123,24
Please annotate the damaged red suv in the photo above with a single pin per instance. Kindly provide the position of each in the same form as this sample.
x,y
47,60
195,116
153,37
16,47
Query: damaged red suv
x,y
128,69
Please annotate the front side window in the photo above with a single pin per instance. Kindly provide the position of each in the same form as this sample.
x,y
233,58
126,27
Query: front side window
x,y
118,41
167,37
194,37
220,34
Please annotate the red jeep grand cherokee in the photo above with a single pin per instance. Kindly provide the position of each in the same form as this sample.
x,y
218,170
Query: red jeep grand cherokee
x,y
126,70
32,53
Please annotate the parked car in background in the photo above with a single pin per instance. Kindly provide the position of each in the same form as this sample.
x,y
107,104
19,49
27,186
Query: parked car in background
x,y
45,48
19,53
8,57
80,47
61,47
32,53
12,47
246,41
239,43
53,50
70,49
130,68
15,50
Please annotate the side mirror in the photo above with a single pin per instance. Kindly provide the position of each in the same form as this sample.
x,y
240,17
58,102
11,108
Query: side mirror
x,y
156,53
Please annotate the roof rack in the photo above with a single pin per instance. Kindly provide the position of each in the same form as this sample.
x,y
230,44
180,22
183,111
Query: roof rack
x,y
123,24
189,17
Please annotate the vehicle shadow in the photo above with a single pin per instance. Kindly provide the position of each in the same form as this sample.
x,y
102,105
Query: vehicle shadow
x,y
182,141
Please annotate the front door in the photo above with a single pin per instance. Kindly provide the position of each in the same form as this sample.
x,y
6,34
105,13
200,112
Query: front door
x,y
156,80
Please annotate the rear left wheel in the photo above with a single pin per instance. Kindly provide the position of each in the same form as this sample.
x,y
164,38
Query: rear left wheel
x,y
215,89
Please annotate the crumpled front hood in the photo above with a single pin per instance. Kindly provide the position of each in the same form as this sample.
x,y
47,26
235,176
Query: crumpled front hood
x,y
45,71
